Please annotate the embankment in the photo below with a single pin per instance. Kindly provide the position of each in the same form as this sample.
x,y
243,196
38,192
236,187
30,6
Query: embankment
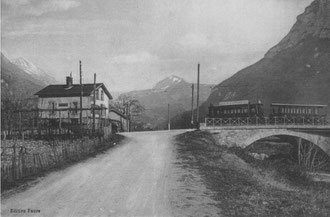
x,y
244,186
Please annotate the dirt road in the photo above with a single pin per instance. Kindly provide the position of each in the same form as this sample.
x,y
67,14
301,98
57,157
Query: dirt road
x,y
137,178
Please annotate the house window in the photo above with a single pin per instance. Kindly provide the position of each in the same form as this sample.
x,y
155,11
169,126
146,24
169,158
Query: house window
x,y
51,106
63,105
102,95
75,108
97,95
102,108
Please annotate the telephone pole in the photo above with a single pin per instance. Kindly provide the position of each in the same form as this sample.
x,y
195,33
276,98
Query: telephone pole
x,y
197,122
94,102
168,115
192,105
81,93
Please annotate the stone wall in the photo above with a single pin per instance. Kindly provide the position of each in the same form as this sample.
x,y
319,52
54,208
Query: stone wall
x,y
20,159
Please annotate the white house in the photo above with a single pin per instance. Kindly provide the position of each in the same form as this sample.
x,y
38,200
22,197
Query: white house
x,y
61,103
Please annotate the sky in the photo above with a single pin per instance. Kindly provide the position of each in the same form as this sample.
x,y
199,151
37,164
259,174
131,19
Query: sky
x,y
132,44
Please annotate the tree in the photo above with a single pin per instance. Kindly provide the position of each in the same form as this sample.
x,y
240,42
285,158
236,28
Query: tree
x,y
310,157
11,118
132,108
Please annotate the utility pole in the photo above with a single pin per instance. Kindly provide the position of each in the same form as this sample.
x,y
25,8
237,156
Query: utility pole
x,y
81,93
197,122
168,115
94,102
128,118
192,104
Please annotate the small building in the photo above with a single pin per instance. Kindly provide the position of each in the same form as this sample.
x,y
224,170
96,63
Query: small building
x,y
61,103
119,121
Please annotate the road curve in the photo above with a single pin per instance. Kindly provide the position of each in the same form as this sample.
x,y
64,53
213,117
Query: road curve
x,y
129,180
140,177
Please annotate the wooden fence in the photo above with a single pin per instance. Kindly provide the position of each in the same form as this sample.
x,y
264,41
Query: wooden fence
x,y
35,124
20,161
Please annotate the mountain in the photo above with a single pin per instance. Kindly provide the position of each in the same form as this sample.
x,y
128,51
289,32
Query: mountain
x,y
172,90
296,70
169,82
34,71
16,83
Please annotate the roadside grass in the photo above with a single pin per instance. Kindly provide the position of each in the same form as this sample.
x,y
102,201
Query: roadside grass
x,y
245,186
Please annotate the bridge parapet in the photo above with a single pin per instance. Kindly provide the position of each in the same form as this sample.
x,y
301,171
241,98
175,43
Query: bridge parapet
x,y
265,122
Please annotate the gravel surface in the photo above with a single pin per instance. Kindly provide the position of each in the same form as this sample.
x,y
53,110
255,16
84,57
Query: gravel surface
x,y
140,177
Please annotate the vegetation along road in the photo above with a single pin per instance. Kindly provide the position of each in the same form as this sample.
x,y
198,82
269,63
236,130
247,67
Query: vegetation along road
x,y
172,173
140,177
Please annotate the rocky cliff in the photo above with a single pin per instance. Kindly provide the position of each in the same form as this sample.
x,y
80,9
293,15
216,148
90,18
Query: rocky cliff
x,y
313,23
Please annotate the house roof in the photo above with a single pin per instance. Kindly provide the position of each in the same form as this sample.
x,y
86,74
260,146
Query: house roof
x,y
61,90
118,113
298,105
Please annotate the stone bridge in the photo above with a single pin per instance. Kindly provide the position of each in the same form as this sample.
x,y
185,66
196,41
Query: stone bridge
x,y
245,136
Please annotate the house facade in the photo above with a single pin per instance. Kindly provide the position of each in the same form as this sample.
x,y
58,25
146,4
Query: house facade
x,y
61,103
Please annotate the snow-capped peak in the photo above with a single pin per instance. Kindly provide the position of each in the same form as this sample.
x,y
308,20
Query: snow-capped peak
x,y
34,70
175,79
169,82
27,66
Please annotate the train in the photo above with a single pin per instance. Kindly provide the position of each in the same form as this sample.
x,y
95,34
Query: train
x,y
278,111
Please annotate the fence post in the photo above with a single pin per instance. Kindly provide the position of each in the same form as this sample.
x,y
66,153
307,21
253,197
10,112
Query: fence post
x,y
22,158
40,163
60,124
14,162
20,122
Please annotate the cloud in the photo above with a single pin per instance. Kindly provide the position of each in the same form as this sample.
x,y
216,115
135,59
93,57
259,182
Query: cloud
x,y
54,5
195,41
139,57
16,3
37,8
69,28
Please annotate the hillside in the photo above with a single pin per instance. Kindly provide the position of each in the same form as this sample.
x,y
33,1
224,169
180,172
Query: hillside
x,y
296,70
16,83
33,70
172,90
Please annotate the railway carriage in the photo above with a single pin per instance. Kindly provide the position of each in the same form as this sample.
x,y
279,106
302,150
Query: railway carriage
x,y
236,109
244,112
297,113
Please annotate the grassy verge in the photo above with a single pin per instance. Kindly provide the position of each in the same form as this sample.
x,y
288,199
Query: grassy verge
x,y
244,186
26,182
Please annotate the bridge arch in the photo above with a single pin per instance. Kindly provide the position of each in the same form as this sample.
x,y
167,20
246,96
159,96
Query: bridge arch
x,y
245,136
314,139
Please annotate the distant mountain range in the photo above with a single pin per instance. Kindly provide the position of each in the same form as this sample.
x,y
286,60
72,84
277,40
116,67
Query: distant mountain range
x,y
297,70
34,71
172,90
20,79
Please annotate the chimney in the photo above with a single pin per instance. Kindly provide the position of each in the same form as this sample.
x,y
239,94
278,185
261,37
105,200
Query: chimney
x,y
69,81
